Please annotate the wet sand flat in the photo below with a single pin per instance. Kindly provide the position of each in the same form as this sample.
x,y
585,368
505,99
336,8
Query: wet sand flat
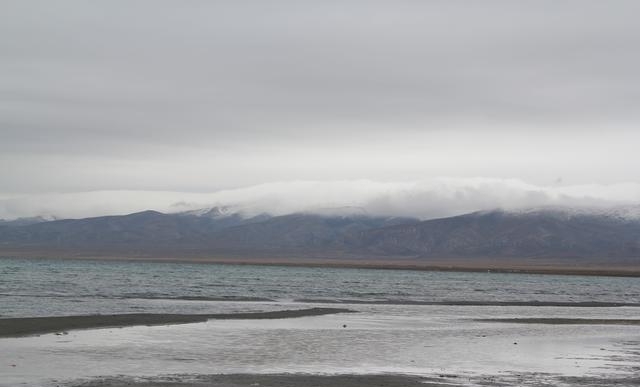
x,y
568,304
284,380
16,327
378,380
564,321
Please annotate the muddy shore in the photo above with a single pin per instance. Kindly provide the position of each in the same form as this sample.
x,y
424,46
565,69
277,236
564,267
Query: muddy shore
x,y
285,380
27,326
377,380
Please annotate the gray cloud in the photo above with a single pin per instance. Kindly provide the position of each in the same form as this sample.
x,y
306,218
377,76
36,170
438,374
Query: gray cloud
x,y
197,96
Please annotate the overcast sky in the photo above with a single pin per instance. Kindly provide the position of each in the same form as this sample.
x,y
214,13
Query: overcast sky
x,y
174,101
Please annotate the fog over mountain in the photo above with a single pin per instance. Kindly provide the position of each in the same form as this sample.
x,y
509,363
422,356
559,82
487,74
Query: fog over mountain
x,y
405,108
425,200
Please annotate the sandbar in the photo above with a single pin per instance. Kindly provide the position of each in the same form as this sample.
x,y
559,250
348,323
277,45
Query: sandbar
x,y
26,326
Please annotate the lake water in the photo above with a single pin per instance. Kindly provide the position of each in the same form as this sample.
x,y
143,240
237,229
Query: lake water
x,y
415,322
30,287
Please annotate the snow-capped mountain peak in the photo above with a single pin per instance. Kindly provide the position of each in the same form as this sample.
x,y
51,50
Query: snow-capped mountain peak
x,y
622,212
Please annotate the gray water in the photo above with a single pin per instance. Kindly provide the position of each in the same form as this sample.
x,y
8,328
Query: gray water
x,y
47,287
413,322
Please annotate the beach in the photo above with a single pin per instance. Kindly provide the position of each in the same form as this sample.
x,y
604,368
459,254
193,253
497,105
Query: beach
x,y
379,345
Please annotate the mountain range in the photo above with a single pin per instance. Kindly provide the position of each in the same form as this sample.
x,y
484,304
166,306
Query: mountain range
x,y
548,236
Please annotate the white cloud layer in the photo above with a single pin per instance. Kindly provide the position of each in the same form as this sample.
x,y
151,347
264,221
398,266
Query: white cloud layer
x,y
438,197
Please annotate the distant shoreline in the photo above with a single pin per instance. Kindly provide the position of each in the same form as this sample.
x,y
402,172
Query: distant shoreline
x,y
394,263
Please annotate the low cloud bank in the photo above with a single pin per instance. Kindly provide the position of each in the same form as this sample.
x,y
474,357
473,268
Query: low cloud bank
x,y
427,199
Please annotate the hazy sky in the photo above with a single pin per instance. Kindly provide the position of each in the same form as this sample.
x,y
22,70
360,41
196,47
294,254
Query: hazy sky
x,y
173,101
